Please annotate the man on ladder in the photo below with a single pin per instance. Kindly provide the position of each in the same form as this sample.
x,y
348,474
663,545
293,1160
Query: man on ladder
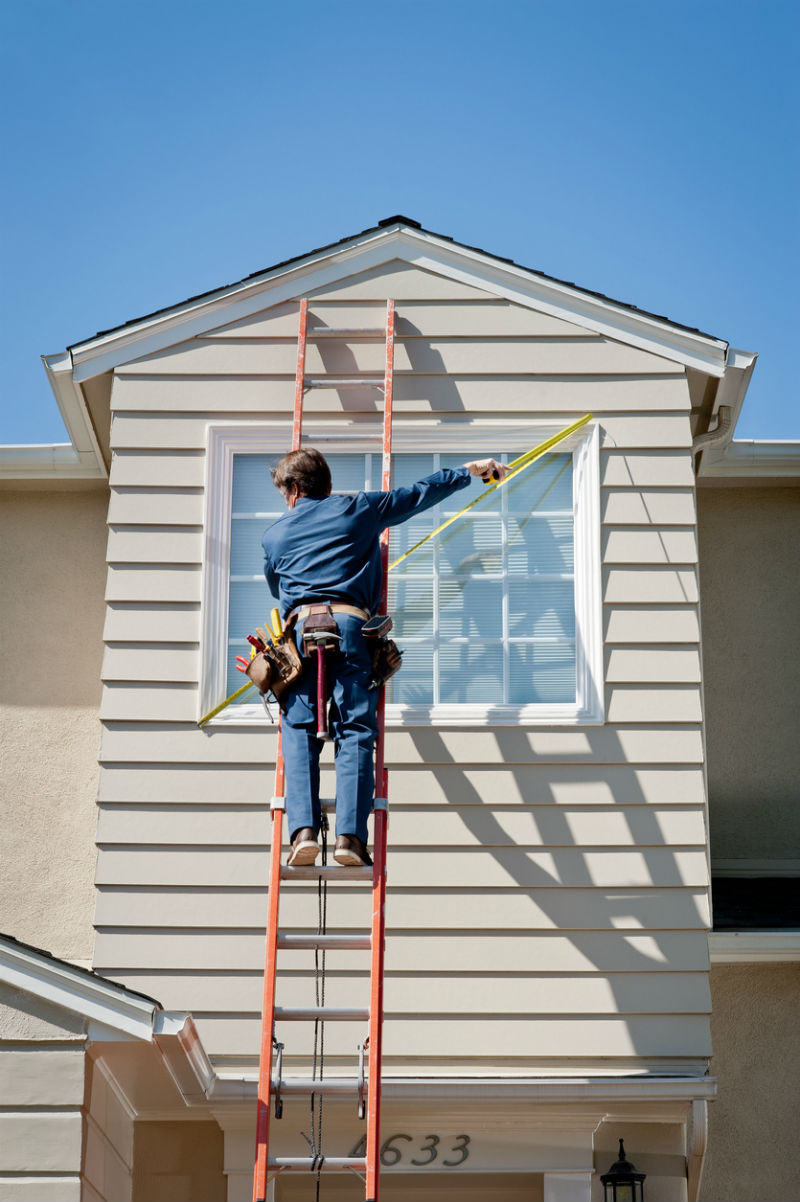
x,y
322,559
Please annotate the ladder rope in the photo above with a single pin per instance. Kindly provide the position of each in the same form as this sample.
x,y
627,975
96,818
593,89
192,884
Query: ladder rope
x,y
319,1024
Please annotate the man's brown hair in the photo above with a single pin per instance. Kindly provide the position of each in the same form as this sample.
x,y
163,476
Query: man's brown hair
x,y
308,469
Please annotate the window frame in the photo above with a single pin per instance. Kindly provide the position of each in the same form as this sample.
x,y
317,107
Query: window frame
x,y
476,437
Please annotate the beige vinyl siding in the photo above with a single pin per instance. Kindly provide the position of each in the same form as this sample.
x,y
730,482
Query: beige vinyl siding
x,y
512,908
575,783
40,1118
162,431
547,901
160,699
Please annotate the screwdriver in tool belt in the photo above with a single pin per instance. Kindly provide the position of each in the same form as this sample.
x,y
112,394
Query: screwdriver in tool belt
x,y
275,618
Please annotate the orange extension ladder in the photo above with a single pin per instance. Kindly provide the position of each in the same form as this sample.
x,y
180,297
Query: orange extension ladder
x,y
367,1086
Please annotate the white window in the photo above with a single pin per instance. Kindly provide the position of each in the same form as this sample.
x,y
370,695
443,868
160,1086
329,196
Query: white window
x,y
498,616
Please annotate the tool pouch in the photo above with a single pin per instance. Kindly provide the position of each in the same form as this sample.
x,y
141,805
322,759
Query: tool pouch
x,y
276,669
320,630
387,658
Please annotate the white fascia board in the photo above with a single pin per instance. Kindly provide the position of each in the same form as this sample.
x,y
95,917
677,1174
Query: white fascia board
x,y
523,287
429,253
754,947
59,983
71,403
56,461
192,319
230,1088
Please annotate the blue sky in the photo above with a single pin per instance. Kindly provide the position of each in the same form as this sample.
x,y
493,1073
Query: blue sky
x,y
157,150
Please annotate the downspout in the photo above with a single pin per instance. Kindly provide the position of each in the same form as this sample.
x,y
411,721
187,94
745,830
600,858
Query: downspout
x,y
721,432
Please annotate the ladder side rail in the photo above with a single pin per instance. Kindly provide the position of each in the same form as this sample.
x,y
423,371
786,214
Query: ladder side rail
x,y
380,823
268,1002
299,380
270,958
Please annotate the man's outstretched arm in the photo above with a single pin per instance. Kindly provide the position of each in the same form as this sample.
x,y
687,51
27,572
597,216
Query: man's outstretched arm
x,y
401,503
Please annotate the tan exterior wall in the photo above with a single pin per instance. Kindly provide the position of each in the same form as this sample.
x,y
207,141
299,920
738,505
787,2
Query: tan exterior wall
x,y
753,1146
178,1162
750,596
52,579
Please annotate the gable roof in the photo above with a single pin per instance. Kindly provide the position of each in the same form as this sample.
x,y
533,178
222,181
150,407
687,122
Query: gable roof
x,y
81,375
386,223
396,238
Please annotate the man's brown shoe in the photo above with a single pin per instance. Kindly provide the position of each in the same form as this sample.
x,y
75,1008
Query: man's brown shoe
x,y
305,848
350,852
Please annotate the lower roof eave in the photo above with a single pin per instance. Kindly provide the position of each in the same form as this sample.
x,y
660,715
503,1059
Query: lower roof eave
x,y
230,1088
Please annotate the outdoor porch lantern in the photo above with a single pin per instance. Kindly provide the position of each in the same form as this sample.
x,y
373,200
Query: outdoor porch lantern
x,y
622,1183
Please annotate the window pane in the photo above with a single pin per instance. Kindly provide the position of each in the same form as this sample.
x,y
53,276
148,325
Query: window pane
x,y
541,672
471,609
402,539
472,544
408,469
537,544
253,490
247,555
470,673
541,610
546,484
347,472
413,684
411,606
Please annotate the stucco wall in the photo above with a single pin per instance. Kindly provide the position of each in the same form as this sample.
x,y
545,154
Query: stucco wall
x,y
753,1148
52,580
750,595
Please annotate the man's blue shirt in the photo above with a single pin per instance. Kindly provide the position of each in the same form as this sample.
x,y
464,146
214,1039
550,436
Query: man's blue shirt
x,y
326,548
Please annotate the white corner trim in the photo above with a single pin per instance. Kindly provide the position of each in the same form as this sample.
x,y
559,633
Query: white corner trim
x,y
754,947
425,251
59,983
696,1144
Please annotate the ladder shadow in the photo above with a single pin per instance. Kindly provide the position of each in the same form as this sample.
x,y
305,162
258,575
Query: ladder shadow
x,y
626,910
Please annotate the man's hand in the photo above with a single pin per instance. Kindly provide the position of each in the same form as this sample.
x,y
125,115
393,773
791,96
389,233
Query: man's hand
x,y
487,469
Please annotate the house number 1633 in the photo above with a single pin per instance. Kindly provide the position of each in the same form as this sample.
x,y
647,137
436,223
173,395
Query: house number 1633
x,y
402,1147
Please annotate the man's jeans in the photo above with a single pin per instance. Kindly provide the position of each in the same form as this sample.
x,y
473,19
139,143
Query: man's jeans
x,y
354,726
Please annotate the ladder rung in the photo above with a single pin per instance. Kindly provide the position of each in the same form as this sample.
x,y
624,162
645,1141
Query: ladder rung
x,y
330,1163
328,873
301,1087
335,1014
343,382
352,332
329,942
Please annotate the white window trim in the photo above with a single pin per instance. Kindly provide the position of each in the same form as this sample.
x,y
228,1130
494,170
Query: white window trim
x,y
474,437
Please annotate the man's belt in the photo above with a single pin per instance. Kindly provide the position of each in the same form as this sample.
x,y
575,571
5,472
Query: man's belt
x,y
336,607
